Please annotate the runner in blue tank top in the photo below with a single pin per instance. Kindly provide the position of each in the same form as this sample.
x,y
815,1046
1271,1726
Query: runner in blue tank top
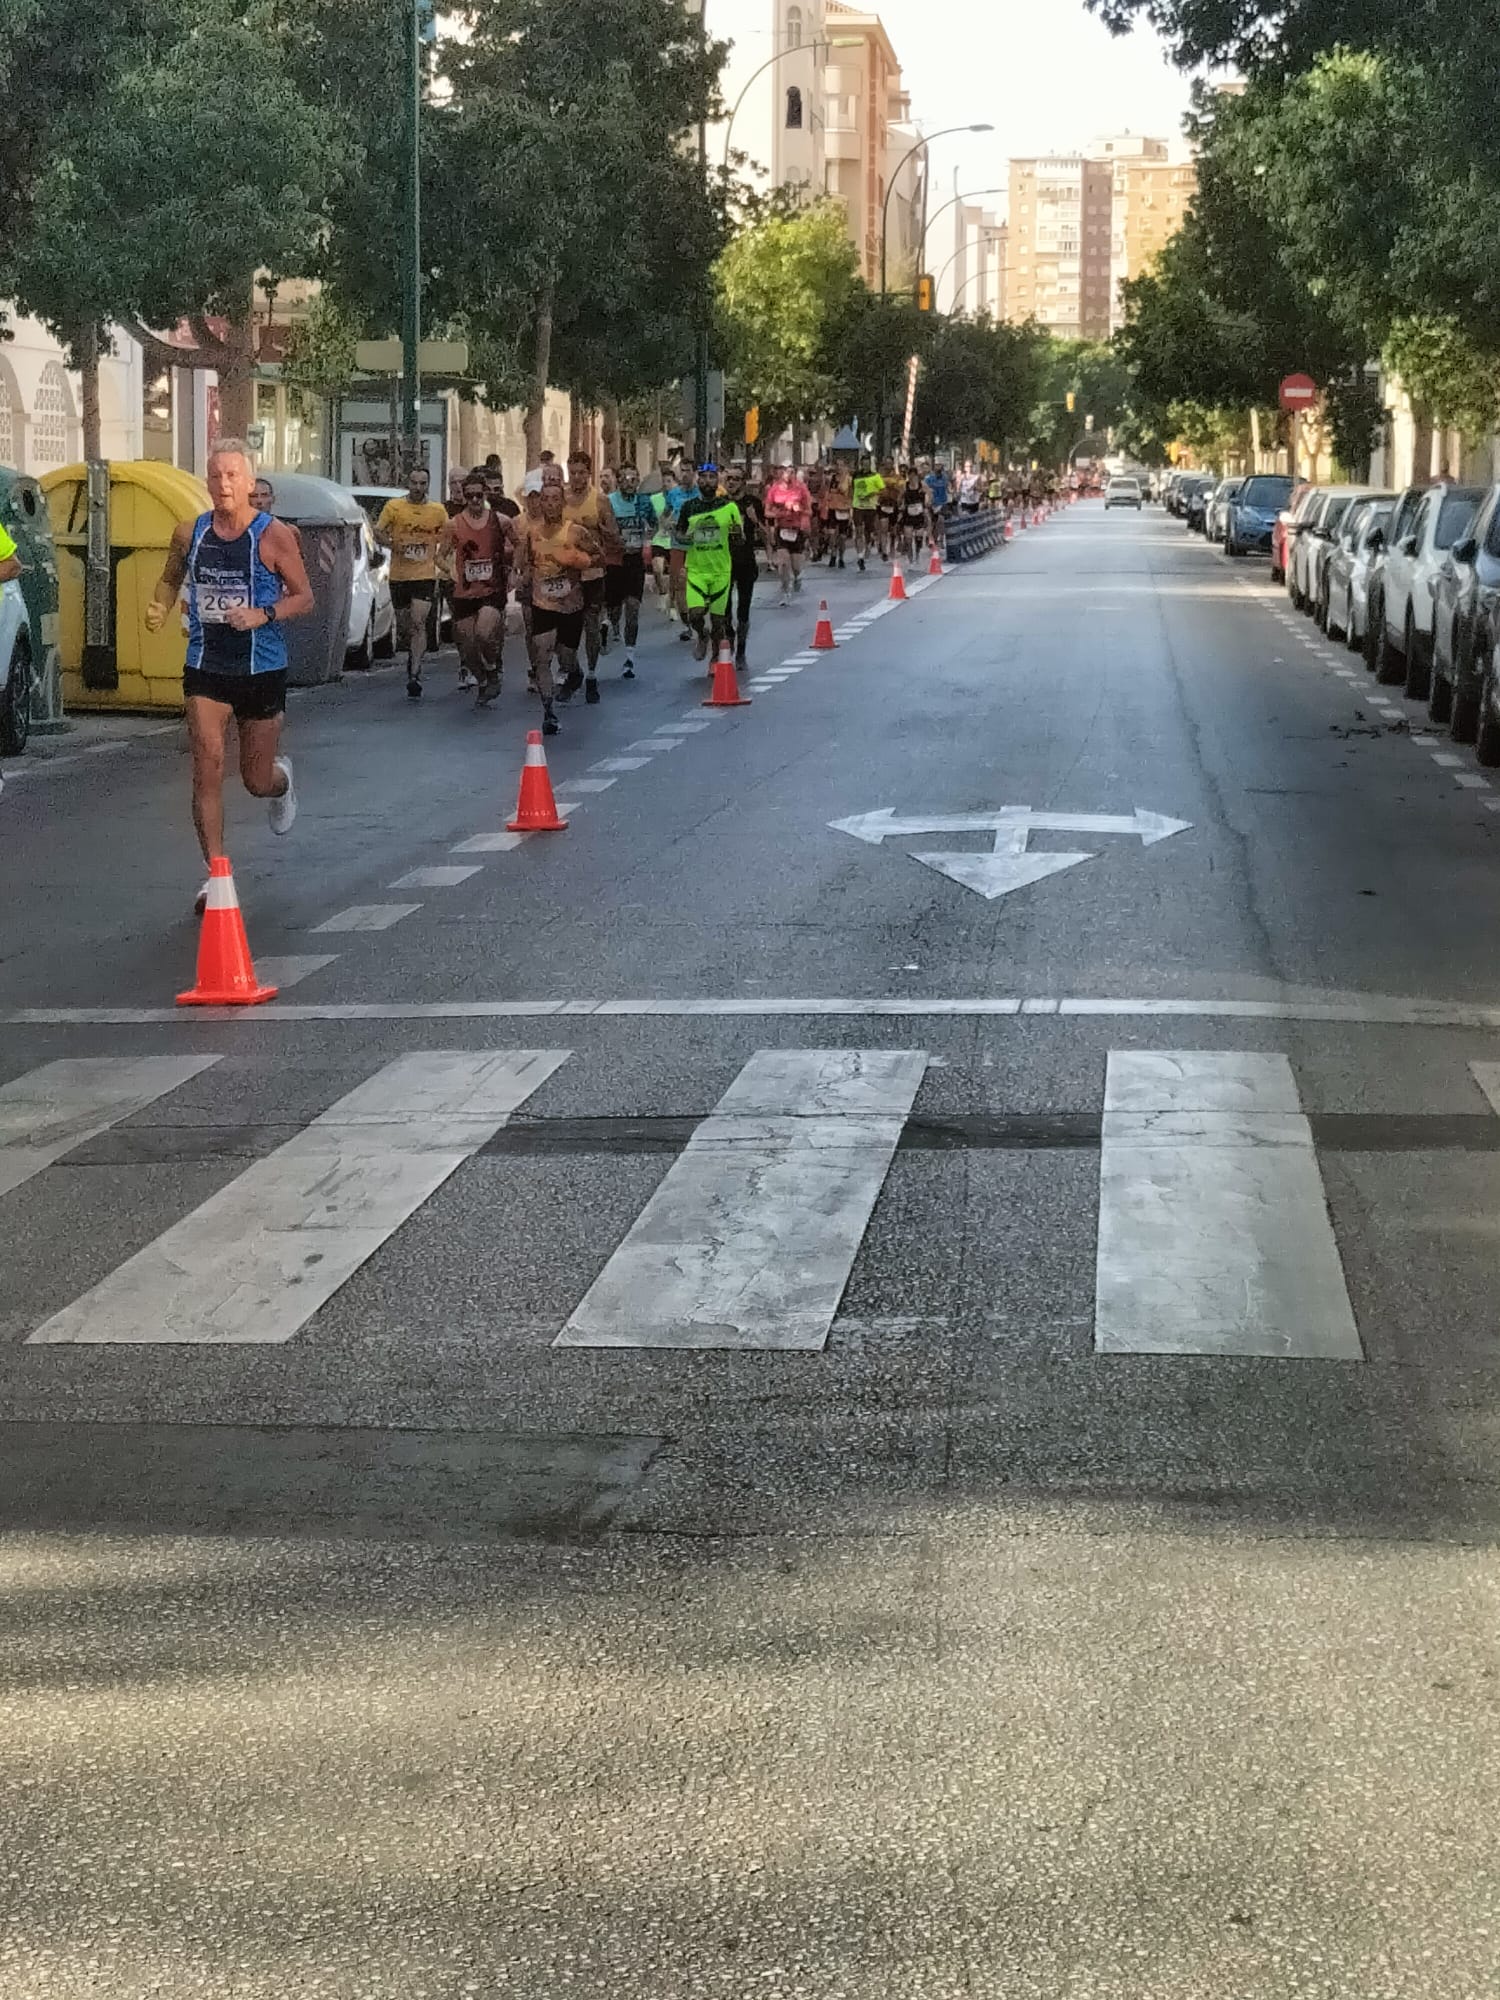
x,y
243,575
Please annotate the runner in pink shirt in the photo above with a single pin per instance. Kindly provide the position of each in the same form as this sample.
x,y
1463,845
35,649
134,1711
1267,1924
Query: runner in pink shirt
x,y
789,513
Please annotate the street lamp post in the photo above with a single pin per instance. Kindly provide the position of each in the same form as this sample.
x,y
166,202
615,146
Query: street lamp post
x,y
978,272
975,194
885,225
411,235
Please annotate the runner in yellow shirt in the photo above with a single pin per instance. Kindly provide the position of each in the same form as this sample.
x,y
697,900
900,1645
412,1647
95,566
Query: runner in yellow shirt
x,y
410,529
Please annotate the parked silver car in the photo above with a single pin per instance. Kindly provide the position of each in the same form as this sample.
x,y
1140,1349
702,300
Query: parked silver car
x,y
1216,520
1407,574
1344,605
1316,528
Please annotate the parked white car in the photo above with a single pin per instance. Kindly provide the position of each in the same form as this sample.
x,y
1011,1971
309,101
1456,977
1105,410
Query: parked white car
x,y
372,617
1404,642
1123,493
1344,605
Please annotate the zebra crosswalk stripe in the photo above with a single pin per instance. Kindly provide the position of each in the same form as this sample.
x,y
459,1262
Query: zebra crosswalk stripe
x,y
750,1239
1214,1233
49,1111
257,1259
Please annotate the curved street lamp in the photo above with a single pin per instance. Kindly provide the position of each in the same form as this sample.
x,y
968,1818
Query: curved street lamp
x,y
835,42
978,272
974,194
890,189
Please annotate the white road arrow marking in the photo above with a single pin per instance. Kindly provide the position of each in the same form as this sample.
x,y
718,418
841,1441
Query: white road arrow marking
x,y
1010,865
874,827
995,875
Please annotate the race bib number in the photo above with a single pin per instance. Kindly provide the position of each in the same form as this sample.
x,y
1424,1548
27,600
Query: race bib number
x,y
554,586
478,572
706,537
915,513
217,600
416,552
633,535
789,534
842,519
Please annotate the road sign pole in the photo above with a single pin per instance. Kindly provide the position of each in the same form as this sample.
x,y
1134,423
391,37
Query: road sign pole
x,y
411,257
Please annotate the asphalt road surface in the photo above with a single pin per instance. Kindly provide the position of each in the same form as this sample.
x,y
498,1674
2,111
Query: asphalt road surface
x,y
870,1376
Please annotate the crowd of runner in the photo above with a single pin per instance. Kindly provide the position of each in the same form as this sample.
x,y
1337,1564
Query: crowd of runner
x,y
581,554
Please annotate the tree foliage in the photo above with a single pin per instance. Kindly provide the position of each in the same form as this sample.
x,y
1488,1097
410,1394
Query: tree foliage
x,y
787,294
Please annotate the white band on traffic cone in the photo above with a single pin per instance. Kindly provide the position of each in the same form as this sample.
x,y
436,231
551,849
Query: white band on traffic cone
x,y
221,893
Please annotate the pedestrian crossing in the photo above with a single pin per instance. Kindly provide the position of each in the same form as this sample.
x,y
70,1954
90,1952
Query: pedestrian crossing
x,y
1214,1234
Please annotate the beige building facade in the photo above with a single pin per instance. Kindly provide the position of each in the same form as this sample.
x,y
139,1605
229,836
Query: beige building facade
x,y
1057,266
868,142
1151,195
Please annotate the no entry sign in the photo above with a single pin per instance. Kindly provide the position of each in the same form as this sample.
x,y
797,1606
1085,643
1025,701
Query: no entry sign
x,y
1298,392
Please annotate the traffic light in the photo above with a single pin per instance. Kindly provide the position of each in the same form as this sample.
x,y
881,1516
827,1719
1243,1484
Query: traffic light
x,y
924,294
1072,402
752,424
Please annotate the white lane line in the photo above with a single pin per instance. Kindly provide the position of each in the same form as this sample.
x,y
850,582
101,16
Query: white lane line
x,y
489,843
618,764
1214,1234
367,917
703,721
1471,781
447,877
1419,739
256,1261
800,660
49,1111
763,686
590,784
1487,1076
1446,761
1490,805
688,727
1357,1010
750,1239
291,968
651,744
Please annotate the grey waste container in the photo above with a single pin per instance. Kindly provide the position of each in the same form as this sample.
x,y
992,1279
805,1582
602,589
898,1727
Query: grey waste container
x,y
330,521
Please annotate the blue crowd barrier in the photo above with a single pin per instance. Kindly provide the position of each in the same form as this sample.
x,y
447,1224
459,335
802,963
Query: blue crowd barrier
x,y
971,535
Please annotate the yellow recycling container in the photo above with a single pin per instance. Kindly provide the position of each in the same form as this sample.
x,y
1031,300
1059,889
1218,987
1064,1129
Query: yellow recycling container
x,y
147,499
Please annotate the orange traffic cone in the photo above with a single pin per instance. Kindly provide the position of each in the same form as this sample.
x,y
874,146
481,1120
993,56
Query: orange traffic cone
x,y
1010,529
897,591
726,692
935,563
823,640
226,971
536,809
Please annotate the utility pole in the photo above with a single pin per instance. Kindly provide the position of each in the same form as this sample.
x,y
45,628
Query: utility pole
x,y
700,345
411,12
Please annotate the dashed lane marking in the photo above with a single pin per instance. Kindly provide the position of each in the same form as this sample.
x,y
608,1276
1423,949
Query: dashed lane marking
x,y
434,878
367,917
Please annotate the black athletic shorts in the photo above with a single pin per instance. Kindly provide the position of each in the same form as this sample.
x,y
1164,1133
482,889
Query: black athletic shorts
x,y
406,591
568,625
626,578
253,697
781,545
593,593
465,608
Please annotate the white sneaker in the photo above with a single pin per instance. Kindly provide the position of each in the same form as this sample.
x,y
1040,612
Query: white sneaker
x,y
284,810
200,901
465,680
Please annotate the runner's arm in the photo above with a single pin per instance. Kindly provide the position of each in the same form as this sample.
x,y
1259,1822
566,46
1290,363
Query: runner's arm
x,y
384,534
173,575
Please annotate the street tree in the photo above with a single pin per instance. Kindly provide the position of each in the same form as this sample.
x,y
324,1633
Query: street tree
x,y
569,224
158,197
788,288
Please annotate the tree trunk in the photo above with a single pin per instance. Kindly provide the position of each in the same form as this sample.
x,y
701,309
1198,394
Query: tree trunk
x,y
611,444
468,434
236,372
536,405
1421,446
88,368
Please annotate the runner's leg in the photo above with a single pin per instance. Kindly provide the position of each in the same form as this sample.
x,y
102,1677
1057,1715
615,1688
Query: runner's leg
x,y
208,725
417,615
489,634
259,742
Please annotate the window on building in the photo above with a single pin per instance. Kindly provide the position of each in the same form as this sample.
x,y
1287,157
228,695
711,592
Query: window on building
x,y
794,30
793,109
7,425
51,417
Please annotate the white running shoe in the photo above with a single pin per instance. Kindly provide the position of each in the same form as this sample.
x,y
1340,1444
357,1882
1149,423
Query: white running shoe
x,y
284,810
465,680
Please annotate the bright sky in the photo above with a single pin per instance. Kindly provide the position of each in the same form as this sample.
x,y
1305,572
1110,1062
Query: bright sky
x,y
1044,73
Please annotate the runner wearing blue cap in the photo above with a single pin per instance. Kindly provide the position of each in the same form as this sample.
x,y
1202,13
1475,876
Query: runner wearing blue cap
x,y
710,528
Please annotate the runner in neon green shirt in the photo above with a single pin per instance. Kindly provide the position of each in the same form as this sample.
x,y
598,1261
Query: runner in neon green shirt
x,y
867,489
710,528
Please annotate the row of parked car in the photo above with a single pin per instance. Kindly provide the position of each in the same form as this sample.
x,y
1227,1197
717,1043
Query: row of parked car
x,y
1412,581
1240,514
